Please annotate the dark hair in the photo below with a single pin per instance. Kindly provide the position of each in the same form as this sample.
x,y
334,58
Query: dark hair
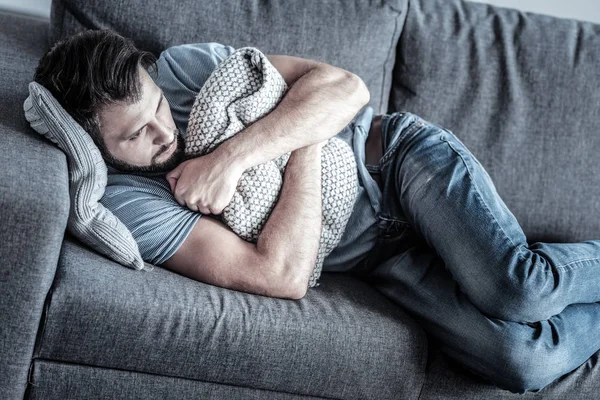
x,y
91,69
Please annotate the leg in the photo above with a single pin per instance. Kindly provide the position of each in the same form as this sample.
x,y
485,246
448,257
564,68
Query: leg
x,y
433,181
515,356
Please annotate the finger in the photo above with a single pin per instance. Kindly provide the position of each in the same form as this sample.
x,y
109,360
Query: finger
x,y
203,209
218,209
172,179
175,172
172,183
173,176
192,207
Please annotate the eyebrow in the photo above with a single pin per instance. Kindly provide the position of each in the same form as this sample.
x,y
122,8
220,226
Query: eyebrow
x,y
127,136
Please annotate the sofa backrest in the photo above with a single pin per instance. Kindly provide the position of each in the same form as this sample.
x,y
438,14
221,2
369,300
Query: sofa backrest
x,y
521,91
358,35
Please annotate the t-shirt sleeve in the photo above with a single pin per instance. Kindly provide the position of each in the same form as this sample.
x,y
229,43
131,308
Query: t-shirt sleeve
x,y
181,72
156,221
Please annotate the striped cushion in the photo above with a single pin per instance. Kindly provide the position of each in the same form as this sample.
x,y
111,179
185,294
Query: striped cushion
x,y
89,220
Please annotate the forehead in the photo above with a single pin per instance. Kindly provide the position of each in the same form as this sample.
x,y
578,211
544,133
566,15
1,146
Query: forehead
x,y
123,119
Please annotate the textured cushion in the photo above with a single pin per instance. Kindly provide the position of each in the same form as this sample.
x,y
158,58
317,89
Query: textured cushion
x,y
356,35
344,341
521,91
89,220
243,89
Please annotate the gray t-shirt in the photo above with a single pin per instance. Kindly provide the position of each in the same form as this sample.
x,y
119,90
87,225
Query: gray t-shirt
x,y
146,205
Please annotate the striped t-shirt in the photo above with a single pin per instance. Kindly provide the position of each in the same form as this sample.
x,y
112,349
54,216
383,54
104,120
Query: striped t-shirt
x,y
149,210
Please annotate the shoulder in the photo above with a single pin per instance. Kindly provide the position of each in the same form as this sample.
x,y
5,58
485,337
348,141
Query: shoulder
x,y
120,184
191,63
208,52
181,72
147,208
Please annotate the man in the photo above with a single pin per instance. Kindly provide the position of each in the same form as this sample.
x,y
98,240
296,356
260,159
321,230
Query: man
x,y
432,234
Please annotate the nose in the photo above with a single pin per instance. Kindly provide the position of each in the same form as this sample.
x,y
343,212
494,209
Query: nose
x,y
163,134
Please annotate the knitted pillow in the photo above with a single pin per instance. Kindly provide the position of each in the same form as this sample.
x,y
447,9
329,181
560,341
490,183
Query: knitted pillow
x,y
242,89
89,220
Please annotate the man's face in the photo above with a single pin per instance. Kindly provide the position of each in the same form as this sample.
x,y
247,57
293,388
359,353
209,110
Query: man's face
x,y
141,137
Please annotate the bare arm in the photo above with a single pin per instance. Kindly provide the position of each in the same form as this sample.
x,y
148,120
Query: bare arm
x,y
320,102
292,232
281,262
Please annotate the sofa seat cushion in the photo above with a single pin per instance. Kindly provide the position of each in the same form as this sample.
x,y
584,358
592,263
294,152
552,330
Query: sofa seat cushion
x,y
56,380
449,381
342,340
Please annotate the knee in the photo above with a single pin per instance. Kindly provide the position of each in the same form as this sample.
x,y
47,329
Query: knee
x,y
516,303
527,295
522,365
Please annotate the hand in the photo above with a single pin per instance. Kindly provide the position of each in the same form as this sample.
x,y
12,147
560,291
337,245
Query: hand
x,y
205,184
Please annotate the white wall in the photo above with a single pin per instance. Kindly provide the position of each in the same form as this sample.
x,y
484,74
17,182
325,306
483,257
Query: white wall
x,y
40,8
587,10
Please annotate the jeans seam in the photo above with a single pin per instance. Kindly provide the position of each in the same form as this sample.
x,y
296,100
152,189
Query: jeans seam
x,y
568,266
414,125
390,219
519,247
362,128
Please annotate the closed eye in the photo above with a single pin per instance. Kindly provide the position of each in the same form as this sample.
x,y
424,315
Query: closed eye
x,y
135,136
162,98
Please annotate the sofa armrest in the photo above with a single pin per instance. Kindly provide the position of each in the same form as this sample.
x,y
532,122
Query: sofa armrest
x,y
34,208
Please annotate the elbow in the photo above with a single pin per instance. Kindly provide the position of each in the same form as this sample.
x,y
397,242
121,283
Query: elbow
x,y
285,280
358,90
298,284
298,292
349,87
362,93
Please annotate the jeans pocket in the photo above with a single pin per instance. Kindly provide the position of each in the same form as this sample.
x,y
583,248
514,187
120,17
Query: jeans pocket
x,y
400,126
390,228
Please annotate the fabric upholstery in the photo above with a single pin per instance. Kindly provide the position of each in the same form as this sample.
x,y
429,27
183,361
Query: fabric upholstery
x,y
446,380
444,37
521,91
23,40
51,380
358,35
159,322
89,220
34,205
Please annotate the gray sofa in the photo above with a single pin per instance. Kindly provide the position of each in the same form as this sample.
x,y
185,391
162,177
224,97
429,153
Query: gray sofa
x,y
520,90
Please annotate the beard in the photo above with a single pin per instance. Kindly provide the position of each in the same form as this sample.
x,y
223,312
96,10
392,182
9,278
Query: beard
x,y
162,168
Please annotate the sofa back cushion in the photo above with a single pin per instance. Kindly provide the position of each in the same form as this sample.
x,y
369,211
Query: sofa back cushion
x,y
521,90
358,36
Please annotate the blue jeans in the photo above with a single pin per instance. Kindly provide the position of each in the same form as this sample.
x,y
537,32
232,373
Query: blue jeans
x,y
451,253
